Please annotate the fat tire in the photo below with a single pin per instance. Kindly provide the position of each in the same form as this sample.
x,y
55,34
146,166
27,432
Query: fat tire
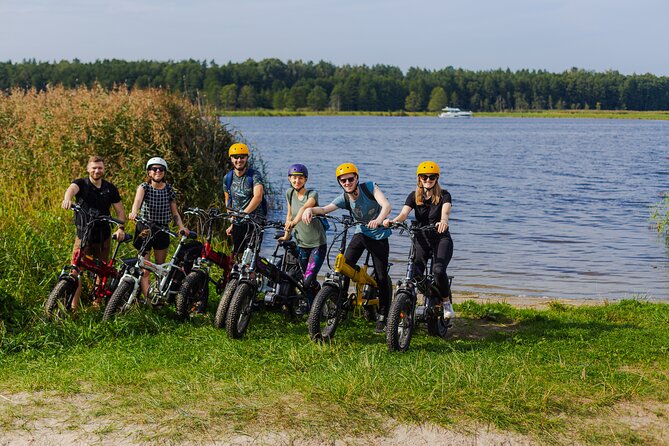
x,y
323,318
194,289
239,313
401,323
60,298
118,299
224,303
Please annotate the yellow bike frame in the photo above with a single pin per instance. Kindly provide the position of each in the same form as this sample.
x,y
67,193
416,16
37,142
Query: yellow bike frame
x,y
360,277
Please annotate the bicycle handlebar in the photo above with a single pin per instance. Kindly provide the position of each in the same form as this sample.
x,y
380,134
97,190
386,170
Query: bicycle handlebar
x,y
95,216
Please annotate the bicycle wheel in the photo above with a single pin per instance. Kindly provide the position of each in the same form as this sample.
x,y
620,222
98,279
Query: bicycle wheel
x,y
400,323
119,299
59,301
323,318
193,295
224,303
239,313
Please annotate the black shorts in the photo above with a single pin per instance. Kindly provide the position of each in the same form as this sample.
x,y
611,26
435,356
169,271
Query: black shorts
x,y
160,240
97,233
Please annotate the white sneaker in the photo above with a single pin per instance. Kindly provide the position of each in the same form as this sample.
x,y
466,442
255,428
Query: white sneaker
x,y
448,310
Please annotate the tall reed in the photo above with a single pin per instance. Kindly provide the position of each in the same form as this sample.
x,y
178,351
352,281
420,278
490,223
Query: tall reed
x,y
45,141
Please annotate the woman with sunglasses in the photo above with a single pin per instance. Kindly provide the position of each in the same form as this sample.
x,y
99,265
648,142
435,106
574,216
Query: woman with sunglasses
x,y
366,203
432,206
310,239
155,201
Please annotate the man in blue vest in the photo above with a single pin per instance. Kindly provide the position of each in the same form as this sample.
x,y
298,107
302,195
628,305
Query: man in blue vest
x,y
244,192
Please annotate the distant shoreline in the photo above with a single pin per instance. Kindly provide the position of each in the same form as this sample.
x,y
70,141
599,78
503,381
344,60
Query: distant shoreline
x,y
589,114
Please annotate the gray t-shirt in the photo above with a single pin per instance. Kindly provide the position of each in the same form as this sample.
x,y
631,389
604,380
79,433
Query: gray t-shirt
x,y
241,191
306,235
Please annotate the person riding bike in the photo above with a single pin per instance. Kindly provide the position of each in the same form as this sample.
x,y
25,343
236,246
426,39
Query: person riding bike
x,y
97,193
366,203
432,206
244,192
155,201
310,239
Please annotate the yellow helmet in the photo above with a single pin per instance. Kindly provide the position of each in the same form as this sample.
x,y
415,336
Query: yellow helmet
x,y
238,149
346,168
427,167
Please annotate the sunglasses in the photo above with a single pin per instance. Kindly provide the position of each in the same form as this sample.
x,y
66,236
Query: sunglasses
x,y
237,157
157,169
347,180
428,177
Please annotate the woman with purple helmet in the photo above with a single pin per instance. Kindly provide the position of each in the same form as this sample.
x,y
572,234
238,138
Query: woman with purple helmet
x,y
310,239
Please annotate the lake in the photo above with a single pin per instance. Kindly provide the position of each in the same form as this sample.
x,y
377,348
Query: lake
x,y
541,207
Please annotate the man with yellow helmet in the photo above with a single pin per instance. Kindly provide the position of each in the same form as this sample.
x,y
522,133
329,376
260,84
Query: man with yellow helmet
x,y
432,207
244,192
366,203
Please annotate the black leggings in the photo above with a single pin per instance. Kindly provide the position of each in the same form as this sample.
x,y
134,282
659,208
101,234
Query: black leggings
x,y
443,249
379,251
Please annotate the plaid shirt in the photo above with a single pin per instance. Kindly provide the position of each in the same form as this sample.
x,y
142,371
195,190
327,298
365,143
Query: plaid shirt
x,y
156,205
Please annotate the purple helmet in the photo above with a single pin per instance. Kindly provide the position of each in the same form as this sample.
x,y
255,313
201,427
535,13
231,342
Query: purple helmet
x,y
298,169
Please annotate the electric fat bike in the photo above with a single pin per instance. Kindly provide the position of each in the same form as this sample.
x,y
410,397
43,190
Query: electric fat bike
x,y
169,276
332,303
405,312
194,293
105,274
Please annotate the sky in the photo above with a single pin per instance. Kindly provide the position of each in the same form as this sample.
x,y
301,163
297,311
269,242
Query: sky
x,y
554,35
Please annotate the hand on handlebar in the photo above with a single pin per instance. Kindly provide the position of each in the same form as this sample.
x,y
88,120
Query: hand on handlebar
x,y
442,226
374,223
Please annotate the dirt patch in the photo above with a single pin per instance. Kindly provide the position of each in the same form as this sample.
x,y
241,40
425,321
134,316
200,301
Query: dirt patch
x,y
536,302
41,418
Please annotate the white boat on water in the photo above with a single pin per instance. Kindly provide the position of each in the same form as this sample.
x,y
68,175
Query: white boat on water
x,y
451,112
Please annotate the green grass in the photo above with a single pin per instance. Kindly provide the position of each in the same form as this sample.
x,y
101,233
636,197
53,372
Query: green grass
x,y
522,370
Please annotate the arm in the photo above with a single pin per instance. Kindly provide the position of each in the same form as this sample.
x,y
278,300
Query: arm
x,y
71,191
228,230
311,202
139,197
385,208
120,214
442,226
177,218
258,190
406,210
307,214
287,228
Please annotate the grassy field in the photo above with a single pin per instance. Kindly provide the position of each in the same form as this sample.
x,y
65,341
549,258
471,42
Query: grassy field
x,y
597,114
543,374
560,375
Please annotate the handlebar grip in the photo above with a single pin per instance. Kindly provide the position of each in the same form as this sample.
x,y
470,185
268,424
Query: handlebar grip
x,y
191,234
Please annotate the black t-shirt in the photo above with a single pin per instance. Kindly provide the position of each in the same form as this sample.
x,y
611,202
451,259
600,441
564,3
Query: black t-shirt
x,y
91,197
428,213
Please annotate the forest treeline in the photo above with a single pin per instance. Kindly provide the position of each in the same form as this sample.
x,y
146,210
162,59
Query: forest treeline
x,y
297,85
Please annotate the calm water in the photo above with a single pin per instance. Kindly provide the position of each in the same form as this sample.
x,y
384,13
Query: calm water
x,y
544,207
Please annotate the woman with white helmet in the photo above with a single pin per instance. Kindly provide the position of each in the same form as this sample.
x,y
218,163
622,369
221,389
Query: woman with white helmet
x,y
155,201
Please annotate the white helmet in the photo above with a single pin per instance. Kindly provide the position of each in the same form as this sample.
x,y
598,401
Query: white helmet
x,y
157,160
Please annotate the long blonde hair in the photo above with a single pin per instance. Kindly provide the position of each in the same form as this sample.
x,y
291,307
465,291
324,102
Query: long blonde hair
x,y
436,192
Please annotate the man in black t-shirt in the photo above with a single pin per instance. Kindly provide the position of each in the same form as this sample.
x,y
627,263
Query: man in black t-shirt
x,y
95,193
